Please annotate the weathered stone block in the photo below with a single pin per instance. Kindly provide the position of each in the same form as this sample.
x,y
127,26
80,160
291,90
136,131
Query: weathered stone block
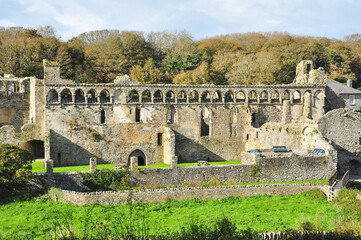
x,y
93,164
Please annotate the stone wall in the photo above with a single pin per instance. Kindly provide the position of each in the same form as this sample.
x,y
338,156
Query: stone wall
x,y
342,128
266,169
161,195
122,124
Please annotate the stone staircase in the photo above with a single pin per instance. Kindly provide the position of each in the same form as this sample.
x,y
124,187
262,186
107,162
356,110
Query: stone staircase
x,y
337,186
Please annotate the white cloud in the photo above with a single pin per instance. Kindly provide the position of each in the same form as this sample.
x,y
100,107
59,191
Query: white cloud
x,y
7,23
74,18
200,17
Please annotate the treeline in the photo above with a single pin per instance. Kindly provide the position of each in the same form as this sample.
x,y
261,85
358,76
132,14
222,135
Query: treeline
x,y
175,57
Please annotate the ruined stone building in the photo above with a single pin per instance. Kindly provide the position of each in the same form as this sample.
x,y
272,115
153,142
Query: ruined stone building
x,y
70,122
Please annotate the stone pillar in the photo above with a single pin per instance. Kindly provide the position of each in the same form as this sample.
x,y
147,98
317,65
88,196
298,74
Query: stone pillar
x,y
286,111
49,167
93,164
47,145
307,106
174,162
133,164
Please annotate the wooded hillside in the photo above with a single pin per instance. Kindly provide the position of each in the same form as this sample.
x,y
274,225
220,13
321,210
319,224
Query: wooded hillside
x,y
175,57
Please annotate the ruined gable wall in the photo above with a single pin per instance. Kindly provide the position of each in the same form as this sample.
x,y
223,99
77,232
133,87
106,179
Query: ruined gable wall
x,y
342,128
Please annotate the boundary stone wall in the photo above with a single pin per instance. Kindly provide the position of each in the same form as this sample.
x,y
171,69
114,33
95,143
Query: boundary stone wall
x,y
161,195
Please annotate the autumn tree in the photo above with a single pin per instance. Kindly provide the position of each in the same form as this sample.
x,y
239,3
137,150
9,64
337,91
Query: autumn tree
x,y
149,74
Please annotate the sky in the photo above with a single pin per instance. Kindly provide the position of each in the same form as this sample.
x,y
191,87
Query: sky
x,y
201,18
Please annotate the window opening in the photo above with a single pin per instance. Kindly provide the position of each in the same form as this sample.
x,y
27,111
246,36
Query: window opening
x,y
102,116
137,114
160,139
171,115
352,99
205,122
308,67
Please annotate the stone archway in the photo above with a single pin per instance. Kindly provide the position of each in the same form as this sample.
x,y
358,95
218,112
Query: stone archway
x,y
35,147
142,157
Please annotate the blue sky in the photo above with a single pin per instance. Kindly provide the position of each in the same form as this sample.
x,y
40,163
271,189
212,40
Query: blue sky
x,y
201,18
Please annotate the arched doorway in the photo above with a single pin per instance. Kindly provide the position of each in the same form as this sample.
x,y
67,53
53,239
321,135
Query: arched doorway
x,y
142,159
35,147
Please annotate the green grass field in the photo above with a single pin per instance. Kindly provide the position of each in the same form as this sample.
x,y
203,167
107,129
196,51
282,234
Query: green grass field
x,y
38,167
37,219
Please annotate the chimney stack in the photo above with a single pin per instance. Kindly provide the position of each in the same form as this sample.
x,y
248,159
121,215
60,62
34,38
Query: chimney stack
x,y
349,83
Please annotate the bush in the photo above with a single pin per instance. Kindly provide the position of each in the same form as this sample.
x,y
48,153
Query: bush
x,y
106,179
15,168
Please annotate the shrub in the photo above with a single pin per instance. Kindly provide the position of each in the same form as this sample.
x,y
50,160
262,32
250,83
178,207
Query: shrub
x,y
15,168
106,179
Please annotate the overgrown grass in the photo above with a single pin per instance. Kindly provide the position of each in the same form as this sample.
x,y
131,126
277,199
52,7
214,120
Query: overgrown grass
x,y
262,213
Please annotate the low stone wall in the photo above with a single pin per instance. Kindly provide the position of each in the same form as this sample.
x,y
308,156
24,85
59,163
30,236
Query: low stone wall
x,y
270,169
267,169
67,180
161,195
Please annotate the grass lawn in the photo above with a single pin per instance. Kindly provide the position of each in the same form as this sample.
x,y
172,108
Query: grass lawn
x,y
38,167
37,219
191,164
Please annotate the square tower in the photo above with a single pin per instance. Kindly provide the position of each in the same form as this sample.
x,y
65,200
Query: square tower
x,y
51,71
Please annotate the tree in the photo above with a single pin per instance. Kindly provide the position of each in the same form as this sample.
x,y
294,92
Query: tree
x,y
149,74
15,168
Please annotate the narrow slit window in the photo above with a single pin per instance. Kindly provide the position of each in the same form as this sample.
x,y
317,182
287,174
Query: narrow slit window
x,y
102,116
160,139
137,114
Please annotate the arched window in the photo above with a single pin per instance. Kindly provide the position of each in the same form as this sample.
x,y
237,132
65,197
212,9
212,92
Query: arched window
x,y
66,96
229,96
182,97
241,97
263,98
52,96
296,96
146,96
206,97
252,96
275,97
170,97
285,95
10,88
318,99
193,97
102,116
158,97
217,97
104,96
133,96
79,96
91,96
